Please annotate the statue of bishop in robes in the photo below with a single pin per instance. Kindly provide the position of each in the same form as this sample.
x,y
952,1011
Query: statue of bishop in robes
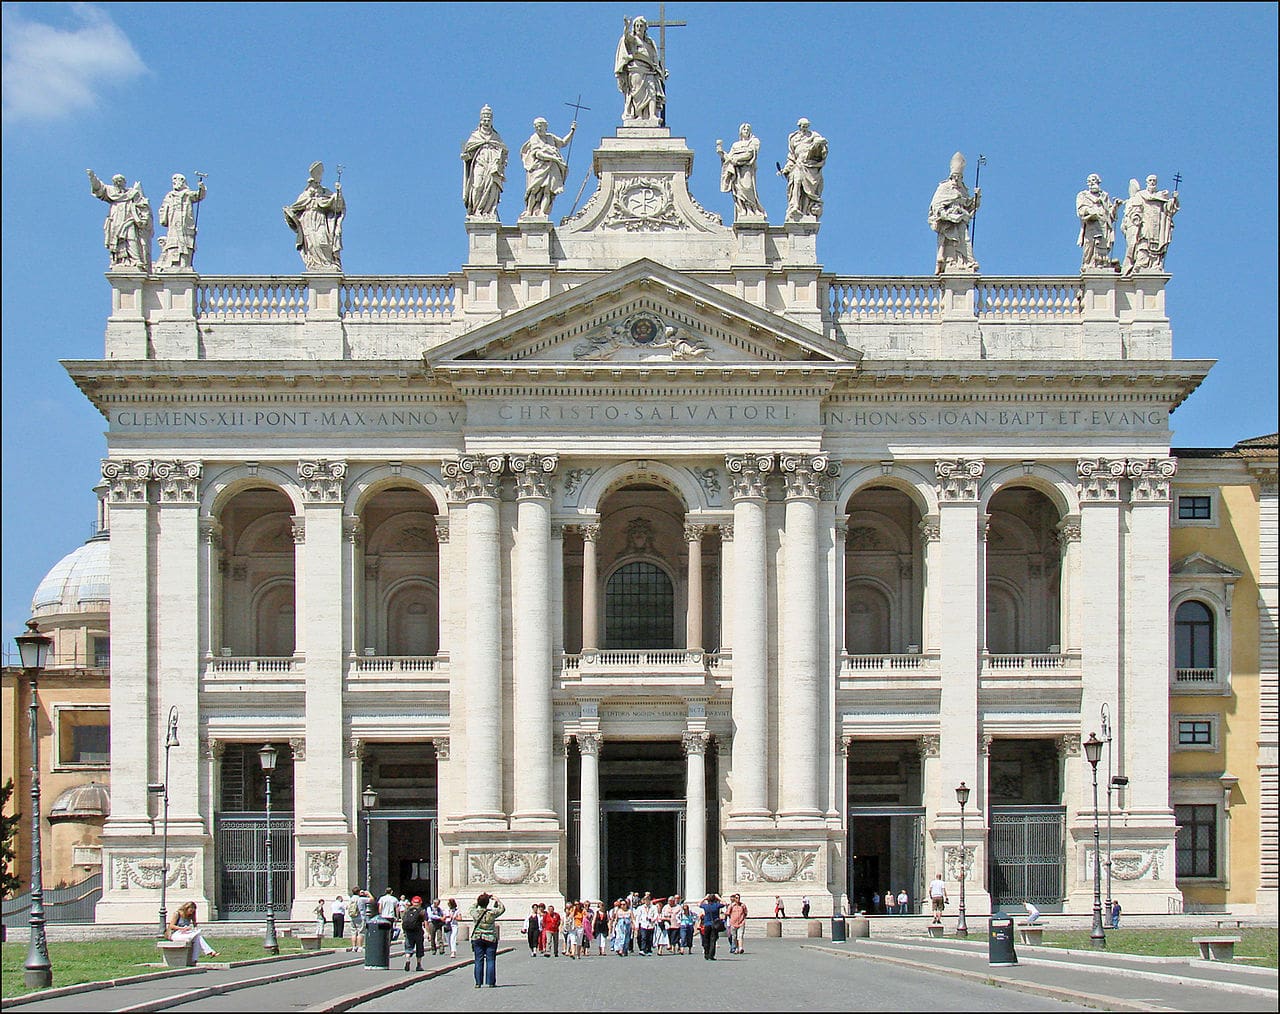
x,y
316,220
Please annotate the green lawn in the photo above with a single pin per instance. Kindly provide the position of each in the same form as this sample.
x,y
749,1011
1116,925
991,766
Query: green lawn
x,y
1256,942
95,960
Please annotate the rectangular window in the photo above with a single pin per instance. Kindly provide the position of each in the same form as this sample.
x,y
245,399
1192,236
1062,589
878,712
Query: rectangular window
x,y
101,652
1194,508
84,737
1195,733
1197,839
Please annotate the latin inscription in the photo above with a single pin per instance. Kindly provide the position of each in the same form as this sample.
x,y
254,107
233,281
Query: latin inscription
x,y
852,418
289,420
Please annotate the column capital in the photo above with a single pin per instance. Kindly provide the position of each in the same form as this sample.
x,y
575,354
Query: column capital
x,y
590,743
298,526
1068,531
808,476
748,474
211,531
532,474
930,746
214,748
473,477
353,529
357,748
179,481
694,533
843,745
1099,480
958,479
322,480
442,528
589,532
1069,745
126,480
695,742
726,532
931,528
441,743
298,746
1150,478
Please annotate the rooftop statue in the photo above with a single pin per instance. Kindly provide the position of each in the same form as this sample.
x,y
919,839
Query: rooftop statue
x,y
484,168
1148,226
950,212
545,169
316,220
738,174
806,155
1097,211
641,77
128,228
177,214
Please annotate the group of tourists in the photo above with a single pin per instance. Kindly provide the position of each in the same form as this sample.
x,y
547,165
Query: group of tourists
x,y
891,904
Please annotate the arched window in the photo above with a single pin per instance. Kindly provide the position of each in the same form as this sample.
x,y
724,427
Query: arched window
x,y
639,608
1193,646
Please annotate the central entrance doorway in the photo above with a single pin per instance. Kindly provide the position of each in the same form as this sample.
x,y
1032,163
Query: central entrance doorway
x,y
642,847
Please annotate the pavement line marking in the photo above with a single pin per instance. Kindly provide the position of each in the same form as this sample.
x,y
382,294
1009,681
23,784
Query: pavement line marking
x,y
1052,992
345,1003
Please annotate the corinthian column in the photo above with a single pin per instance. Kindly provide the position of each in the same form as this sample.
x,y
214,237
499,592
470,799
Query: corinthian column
x,y
590,583
695,823
800,775
589,817
475,482
531,635
693,617
749,632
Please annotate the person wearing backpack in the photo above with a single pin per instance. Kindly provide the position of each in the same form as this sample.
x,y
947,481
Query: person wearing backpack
x,y
411,923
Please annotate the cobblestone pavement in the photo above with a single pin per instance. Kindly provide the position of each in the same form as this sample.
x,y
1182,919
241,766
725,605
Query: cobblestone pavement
x,y
776,975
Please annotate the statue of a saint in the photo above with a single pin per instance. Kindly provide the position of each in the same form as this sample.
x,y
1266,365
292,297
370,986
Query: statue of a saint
x,y
806,155
545,170
1097,211
641,77
1148,226
949,213
177,214
128,228
484,168
738,173
316,220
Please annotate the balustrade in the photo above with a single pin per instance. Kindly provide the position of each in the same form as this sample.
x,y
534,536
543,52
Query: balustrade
x,y
1199,677
851,299
1029,298
895,664
393,297
255,664
1020,663
400,663
251,298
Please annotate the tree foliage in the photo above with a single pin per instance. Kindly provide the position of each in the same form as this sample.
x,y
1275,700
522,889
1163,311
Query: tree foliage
x,y
9,882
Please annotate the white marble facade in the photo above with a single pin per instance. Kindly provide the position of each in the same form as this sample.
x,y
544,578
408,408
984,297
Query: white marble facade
x,y
913,524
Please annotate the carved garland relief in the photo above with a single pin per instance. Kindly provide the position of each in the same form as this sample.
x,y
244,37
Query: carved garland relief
x,y
777,866
509,867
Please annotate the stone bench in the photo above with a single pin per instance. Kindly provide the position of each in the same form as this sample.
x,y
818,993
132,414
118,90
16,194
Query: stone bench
x,y
1216,948
310,941
1031,935
177,954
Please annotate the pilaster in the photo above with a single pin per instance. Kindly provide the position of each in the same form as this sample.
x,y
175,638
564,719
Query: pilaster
x,y
695,826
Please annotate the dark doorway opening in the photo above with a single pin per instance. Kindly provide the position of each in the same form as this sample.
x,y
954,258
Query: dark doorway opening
x,y
643,850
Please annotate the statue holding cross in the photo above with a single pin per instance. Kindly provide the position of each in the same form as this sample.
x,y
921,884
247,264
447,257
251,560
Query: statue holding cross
x,y
641,77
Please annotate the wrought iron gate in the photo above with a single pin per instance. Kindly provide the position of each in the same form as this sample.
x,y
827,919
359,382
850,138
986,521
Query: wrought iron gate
x,y
1028,854
240,852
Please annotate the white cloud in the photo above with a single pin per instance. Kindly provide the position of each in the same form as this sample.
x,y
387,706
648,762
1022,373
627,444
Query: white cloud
x,y
51,72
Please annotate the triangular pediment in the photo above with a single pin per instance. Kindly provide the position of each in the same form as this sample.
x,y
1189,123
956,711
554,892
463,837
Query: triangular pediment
x,y
1201,565
644,313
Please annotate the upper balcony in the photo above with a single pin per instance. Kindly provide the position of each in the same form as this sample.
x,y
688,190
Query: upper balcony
x,y
638,669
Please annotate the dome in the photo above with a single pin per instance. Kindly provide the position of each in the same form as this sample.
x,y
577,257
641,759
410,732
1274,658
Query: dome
x,y
90,801
79,582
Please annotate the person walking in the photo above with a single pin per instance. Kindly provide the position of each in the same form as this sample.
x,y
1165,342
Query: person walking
x,y
711,924
903,902
804,907
321,917
451,919
779,909
551,931
356,912
533,930
339,916
688,923
938,898
434,915
485,914
412,924
737,922
600,928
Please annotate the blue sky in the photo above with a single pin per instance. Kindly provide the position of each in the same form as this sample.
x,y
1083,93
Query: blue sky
x,y
252,94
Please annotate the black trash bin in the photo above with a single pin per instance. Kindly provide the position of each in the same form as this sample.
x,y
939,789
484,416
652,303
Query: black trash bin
x,y
377,943
837,929
1000,951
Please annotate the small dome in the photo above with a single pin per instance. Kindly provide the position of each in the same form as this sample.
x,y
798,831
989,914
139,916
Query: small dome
x,y
90,801
79,582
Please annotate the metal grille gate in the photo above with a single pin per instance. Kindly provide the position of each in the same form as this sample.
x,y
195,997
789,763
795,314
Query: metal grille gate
x,y
1028,854
240,851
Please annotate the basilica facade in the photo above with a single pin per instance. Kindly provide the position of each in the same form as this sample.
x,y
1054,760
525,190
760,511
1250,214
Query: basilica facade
x,y
641,552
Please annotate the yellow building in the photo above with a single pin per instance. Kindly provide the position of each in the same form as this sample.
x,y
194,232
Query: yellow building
x,y
1222,587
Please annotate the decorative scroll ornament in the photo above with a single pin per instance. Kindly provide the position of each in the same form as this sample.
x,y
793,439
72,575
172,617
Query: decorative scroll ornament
x,y
322,480
1099,479
179,480
473,477
748,474
642,337
1151,478
777,866
958,478
1129,864
126,480
509,867
808,476
146,872
322,867
532,473
957,864
643,204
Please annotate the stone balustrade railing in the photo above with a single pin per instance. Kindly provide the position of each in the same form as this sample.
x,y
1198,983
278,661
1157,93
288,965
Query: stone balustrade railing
x,y
396,297
244,298
880,299
1029,298
890,664
1035,663
1199,677
640,661
400,663
255,664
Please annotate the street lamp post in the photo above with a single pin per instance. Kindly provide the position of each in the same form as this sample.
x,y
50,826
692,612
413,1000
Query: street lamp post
x,y
1097,936
267,755
370,799
1106,738
170,741
37,973
962,797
